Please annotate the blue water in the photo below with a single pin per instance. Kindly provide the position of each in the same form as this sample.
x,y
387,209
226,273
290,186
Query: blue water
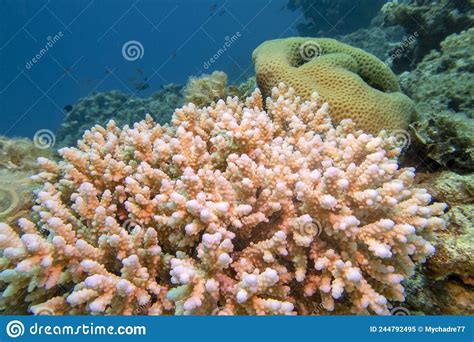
x,y
178,37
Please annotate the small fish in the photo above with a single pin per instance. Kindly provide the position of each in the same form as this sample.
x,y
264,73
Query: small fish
x,y
133,78
107,71
212,10
67,108
222,12
173,53
140,70
141,86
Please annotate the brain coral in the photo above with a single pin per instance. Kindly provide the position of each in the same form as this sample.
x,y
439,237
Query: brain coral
x,y
231,210
357,84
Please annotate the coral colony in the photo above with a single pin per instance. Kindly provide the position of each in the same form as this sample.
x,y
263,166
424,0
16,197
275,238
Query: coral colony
x,y
235,208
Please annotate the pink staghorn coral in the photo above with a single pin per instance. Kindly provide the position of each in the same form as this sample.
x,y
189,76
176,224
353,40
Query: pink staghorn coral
x,y
231,210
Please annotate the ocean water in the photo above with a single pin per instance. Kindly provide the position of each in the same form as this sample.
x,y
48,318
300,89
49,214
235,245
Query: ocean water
x,y
56,55
176,39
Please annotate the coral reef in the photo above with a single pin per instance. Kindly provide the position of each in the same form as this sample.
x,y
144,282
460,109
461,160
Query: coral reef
x,y
442,86
232,210
432,20
445,284
426,296
205,89
449,187
455,252
446,139
123,108
444,80
20,154
356,83
330,17
456,241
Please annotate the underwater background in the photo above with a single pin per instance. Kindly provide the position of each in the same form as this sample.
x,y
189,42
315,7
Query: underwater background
x,y
177,39
66,66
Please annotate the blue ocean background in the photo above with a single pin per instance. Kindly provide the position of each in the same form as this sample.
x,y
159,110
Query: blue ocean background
x,y
178,37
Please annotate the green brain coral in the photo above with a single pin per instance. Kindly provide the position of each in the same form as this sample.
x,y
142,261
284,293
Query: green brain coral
x,y
356,84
